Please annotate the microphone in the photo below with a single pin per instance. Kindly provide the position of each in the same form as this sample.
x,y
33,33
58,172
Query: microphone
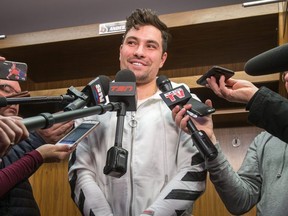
x,y
5,101
272,61
93,94
46,120
123,91
180,96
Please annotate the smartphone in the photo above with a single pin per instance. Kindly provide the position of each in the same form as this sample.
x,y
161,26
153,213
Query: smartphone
x,y
12,70
78,133
215,71
199,108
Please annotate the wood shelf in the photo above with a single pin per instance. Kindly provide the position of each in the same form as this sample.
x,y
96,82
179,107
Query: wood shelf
x,y
226,36
174,20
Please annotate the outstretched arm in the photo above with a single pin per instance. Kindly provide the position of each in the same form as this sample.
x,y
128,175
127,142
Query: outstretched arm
x,y
29,163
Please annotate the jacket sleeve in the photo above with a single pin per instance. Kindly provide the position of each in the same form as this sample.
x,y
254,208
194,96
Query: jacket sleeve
x,y
268,110
179,195
239,191
20,149
18,171
82,183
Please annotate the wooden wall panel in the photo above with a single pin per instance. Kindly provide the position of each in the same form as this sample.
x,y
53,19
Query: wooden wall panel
x,y
52,191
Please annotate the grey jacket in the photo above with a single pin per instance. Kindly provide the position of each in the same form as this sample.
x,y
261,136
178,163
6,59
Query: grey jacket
x,y
262,178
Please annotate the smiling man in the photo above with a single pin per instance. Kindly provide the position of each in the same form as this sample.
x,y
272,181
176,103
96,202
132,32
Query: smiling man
x,y
165,173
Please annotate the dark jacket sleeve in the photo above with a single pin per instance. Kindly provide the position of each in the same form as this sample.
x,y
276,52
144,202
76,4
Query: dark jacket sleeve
x,y
20,149
268,110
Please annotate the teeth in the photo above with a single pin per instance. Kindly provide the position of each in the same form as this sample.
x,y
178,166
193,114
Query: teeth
x,y
137,63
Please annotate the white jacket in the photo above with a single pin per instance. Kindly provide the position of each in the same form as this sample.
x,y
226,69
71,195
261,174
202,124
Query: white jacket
x,y
161,179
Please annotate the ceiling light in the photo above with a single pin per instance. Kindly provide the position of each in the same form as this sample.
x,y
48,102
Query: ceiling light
x,y
260,2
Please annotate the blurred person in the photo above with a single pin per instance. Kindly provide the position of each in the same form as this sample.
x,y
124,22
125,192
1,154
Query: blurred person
x,y
263,174
13,131
22,192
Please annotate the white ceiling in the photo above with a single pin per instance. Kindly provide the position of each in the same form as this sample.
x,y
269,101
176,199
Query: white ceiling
x,y
20,16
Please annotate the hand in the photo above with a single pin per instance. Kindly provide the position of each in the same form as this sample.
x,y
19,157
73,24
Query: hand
x,y
54,153
12,131
56,132
240,91
2,59
201,123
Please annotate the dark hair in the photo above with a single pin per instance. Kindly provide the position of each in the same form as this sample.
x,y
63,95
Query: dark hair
x,y
142,17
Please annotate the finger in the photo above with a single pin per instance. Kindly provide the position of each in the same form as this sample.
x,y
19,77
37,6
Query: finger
x,y
179,116
4,142
230,82
22,133
183,123
62,148
209,103
9,129
187,106
175,110
16,117
214,86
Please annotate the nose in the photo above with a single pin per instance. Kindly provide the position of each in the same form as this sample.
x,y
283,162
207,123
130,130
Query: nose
x,y
139,51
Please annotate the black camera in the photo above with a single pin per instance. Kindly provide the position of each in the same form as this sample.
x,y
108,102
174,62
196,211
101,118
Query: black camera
x,y
116,162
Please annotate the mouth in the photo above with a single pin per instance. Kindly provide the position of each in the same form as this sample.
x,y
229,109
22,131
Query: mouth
x,y
137,63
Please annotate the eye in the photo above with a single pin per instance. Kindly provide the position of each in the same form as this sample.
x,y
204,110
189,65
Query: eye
x,y
152,46
131,42
7,89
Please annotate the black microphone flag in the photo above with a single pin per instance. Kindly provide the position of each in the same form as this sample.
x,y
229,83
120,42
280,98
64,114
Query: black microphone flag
x,y
94,93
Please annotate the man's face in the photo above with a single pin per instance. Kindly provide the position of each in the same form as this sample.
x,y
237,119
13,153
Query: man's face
x,y
141,52
8,87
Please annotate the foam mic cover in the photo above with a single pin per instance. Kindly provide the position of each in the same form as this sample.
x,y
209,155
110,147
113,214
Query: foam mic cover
x,y
125,76
163,83
124,89
269,62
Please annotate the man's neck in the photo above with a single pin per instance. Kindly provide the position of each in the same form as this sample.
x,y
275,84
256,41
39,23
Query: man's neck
x,y
146,90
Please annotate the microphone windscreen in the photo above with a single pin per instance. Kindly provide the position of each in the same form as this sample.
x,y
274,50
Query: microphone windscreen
x,y
163,83
125,76
269,62
161,79
104,80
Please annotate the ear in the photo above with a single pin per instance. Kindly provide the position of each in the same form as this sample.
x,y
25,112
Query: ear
x,y
120,48
163,59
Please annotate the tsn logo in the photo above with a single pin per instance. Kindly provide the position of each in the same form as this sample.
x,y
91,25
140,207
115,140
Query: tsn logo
x,y
171,95
126,88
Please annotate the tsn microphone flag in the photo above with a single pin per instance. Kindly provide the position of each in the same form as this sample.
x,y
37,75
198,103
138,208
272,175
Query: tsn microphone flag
x,y
179,95
123,92
124,89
